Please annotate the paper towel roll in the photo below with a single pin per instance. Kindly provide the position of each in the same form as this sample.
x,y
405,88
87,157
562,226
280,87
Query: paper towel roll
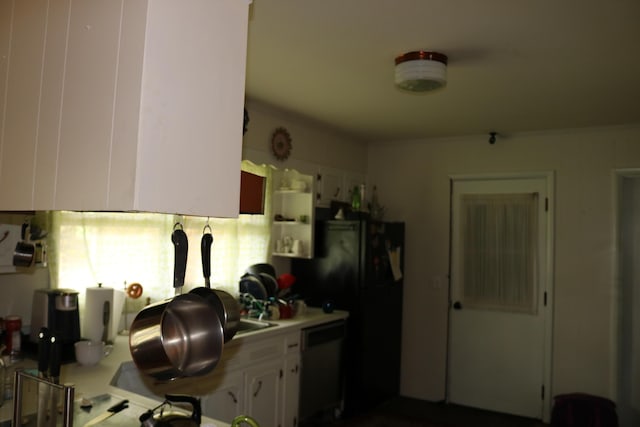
x,y
95,299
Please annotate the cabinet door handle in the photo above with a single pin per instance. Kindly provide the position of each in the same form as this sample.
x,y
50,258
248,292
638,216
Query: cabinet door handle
x,y
233,396
258,389
292,345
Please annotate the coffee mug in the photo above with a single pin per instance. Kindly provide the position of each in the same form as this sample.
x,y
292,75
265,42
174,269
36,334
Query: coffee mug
x,y
89,353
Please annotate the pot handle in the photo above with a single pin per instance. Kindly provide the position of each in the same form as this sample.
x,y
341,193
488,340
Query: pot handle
x,y
205,251
196,414
181,245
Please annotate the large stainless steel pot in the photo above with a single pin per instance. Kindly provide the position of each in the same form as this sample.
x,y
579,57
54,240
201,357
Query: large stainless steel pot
x,y
225,305
178,337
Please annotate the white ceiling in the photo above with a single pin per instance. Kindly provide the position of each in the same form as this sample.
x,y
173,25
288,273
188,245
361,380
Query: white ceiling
x,y
514,66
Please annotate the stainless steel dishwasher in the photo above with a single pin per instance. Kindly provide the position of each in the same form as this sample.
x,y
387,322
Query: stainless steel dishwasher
x,y
322,379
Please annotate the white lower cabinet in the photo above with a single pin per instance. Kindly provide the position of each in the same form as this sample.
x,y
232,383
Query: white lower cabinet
x,y
263,392
291,390
227,400
260,379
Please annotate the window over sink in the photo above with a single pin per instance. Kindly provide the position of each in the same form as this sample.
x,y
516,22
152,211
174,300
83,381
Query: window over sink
x,y
87,248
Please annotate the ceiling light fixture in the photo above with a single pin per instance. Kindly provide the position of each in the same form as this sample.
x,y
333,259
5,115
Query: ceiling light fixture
x,y
421,71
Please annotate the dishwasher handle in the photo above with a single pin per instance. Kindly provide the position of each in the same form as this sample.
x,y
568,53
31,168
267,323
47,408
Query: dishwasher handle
x,y
317,335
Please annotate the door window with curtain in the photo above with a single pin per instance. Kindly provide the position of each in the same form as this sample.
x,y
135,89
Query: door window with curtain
x,y
87,248
498,236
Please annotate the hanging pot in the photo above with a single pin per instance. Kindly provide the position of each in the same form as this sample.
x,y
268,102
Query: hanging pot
x,y
178,337
223,303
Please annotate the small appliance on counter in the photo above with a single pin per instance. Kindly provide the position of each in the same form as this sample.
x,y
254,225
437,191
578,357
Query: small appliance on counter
x,y
102,313
57,309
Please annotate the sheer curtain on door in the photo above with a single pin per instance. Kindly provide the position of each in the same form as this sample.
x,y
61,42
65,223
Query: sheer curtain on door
x,y
499,241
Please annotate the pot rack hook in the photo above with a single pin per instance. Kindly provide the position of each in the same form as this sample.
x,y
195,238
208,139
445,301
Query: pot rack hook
x,y
206,226
492,137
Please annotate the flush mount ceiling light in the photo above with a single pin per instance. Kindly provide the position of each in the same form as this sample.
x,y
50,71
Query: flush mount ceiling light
x,y
421,71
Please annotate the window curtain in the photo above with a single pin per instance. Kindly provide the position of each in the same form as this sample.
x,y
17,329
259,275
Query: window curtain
x,y
499,241
117,248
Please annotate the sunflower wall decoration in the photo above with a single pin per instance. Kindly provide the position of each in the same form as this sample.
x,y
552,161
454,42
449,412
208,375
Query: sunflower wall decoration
x,y
281,144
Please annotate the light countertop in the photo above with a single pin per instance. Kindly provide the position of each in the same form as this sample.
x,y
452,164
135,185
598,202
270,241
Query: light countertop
x,y
91,381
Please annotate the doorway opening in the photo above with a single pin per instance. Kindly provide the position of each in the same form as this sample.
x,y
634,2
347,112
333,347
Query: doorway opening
x,y
627,303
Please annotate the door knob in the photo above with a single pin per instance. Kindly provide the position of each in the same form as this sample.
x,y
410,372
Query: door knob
x,y
457,305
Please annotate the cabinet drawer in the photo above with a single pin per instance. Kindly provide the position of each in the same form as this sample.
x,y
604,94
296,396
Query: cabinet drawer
x,y
292,343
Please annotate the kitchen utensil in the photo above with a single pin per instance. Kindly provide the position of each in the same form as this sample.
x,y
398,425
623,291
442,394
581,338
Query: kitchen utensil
x,y
256,269
225,305
24,254
205,252
178,337
118,407
170,418
54,376
270,283
106,315
44,342
48,369
252,285
89,353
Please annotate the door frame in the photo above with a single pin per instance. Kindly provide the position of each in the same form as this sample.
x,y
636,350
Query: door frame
x,y
618,177
549,176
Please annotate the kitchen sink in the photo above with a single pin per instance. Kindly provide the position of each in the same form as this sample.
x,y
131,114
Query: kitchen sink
x,y
251,325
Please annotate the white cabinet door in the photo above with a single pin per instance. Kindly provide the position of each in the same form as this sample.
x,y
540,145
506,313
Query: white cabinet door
x,y
263,392
290,390
330,187
227,401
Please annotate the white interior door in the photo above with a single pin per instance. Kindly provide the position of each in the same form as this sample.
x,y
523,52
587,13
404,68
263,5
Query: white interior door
x,y
499,339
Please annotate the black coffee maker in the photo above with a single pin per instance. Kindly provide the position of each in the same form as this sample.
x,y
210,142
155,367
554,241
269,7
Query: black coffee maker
x,y
57,309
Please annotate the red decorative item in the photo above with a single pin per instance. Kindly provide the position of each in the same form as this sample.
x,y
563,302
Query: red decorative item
x,y
285,281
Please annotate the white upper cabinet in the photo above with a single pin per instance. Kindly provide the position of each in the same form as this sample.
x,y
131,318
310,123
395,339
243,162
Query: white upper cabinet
x,y
122,105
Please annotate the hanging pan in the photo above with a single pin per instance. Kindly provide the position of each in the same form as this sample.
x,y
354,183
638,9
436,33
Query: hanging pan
x,y
224,304
180,336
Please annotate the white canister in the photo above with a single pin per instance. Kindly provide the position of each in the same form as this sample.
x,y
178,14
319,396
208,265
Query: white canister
x,y
98,301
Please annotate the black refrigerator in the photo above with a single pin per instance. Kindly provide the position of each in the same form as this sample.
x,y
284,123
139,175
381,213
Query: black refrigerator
x,y
358,267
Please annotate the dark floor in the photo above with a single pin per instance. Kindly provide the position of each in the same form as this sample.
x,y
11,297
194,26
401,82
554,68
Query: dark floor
x,y
406,412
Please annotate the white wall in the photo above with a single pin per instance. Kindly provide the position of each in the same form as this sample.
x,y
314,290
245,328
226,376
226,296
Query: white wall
x,y
314,145
413,182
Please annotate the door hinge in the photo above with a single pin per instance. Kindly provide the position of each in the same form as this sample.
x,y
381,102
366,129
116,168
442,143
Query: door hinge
x,y
542,393
545,298
281,373
546,204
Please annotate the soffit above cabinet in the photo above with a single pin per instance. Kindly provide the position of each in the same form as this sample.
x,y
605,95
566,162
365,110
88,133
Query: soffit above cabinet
x,y
122,105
